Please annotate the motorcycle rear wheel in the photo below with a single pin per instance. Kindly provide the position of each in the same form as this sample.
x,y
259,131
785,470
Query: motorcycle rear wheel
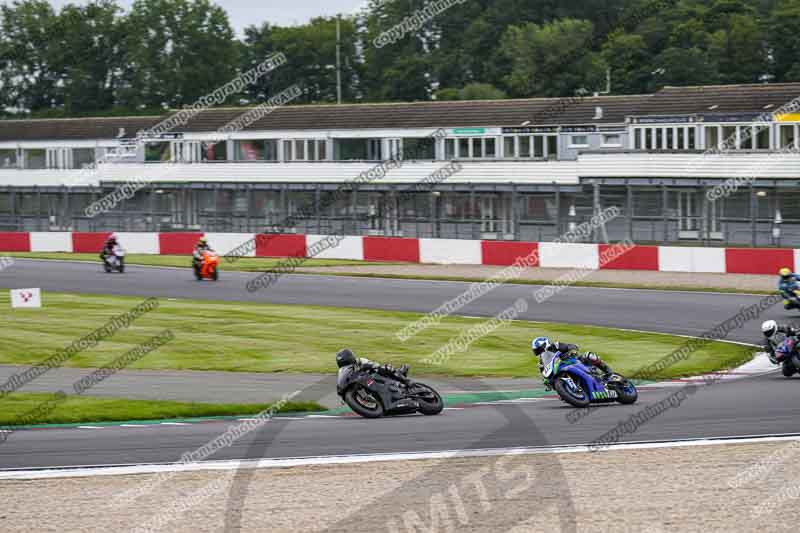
x,y
432,407
574,399
363,402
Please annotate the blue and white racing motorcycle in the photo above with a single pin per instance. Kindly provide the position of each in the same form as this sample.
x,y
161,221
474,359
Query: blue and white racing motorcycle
x,y
580,385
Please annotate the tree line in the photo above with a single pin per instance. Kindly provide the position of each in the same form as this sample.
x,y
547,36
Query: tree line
x,y
97,58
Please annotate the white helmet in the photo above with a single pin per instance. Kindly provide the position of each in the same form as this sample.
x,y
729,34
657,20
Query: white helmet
x,y
769,328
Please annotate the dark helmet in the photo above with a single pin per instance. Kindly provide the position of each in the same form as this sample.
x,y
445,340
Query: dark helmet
x,y
345,358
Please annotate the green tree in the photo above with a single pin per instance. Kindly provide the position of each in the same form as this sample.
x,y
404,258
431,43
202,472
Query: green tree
x,y
311,53
473,91
89,51
784,40
628,58
29,65
176,52
553,59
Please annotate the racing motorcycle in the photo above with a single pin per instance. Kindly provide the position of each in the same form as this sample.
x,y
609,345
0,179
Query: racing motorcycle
x,y
792,301
115,261
580,385
206,266
786,355
373,394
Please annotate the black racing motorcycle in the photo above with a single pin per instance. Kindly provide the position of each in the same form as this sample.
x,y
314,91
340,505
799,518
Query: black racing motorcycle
x,y
373,391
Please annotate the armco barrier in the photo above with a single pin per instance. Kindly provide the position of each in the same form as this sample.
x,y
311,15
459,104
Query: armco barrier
x,y
757,261
391,249
505,253
177,243
88,243
15,242
637,258
272,245
442,251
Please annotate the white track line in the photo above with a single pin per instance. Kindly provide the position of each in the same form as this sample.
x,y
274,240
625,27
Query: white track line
x,y
230,465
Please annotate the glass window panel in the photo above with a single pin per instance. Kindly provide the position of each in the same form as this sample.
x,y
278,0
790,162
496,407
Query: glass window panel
x,y
538,146
508,147
524,146
299,150
157,152
489,148
463,148
450,148
8,158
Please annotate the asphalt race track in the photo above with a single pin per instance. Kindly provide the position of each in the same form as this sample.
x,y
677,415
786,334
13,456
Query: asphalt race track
x,y
753,406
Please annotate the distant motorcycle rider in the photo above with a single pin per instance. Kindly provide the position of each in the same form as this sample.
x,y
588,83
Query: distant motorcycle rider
x,y
108,246
201,246
542,346
787,285
775,334
346,357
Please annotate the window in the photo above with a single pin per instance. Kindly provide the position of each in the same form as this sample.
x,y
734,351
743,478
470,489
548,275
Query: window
x,y
214,151
538,146
489,148
350,149
788,138
83,157
612,139
449,149
257,150
287,150
8,159
299,150
419,148
761,140
155,152
579,141
712,137
463,148
508,147
524,146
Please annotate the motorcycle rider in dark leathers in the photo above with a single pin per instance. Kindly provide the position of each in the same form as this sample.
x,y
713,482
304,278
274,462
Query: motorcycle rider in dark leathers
x,y
541,345
771,331
108,246
400,374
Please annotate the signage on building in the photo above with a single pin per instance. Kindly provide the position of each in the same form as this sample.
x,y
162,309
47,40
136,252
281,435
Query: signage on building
x,y
579,129
468,131
167,136
788,117
738,117
521,130
665,120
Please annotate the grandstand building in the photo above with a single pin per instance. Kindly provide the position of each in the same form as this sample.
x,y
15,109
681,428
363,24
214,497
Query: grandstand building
x,y
712,165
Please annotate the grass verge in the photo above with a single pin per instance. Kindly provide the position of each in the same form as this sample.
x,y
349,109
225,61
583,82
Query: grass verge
x,y
19,409
539,282
244,264
230,336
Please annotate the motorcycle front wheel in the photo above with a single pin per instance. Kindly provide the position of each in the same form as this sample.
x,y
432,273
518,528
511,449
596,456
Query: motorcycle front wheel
x,y
430,402
571,392
363,402
627,393
788,369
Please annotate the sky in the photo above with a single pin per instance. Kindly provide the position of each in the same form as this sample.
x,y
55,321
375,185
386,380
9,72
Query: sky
x,y
243,13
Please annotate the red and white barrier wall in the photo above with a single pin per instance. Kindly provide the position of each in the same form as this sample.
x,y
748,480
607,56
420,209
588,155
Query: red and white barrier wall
x,y
441,251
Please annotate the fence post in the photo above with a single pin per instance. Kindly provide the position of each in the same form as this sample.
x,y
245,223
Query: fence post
x,y
665,211
754,215
629,210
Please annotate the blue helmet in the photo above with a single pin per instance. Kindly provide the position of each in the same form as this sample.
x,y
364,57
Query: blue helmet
x,y
539,345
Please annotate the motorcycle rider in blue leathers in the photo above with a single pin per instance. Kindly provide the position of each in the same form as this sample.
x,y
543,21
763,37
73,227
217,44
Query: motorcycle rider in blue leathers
x,y
788,284
543,345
